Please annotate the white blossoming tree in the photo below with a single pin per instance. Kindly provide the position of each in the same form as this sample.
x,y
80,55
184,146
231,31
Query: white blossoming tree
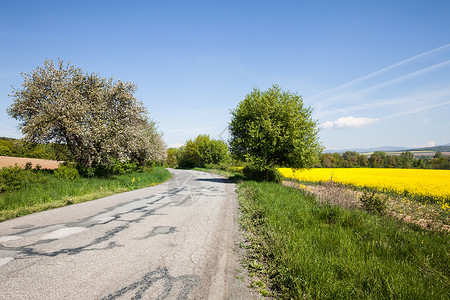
x,y
99,119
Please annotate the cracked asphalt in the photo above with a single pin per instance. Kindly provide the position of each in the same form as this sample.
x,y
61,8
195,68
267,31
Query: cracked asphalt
x,y
176,240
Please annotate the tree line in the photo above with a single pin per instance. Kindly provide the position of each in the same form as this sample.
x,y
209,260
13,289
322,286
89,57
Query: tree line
x,y
380,159
20,148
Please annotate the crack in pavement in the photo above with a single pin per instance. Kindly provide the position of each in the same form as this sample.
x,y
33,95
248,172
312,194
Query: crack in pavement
x,y
105,217
28,250
186,282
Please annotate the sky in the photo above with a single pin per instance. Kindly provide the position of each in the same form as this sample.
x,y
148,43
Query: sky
x,y
375,73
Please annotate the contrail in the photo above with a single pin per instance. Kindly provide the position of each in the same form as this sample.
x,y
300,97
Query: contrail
x,y
435,95
386,83
382,70
417,110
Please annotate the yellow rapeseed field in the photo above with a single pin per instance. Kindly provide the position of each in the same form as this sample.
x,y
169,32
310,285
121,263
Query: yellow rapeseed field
x,y
426,185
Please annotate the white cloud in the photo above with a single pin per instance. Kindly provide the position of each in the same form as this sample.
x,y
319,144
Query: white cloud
x,y
175,145
427,144
348,123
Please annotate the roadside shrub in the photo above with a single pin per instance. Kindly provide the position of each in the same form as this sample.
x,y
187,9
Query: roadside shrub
x,y
124,167
14,178
255,173
223,165
373,202
67,171
85,171
116,167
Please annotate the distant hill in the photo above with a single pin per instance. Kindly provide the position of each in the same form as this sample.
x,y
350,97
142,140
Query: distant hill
x,y
365,150
442,148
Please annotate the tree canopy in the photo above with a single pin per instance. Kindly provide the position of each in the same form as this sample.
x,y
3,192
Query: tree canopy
x,y
203,151
98,119
274,128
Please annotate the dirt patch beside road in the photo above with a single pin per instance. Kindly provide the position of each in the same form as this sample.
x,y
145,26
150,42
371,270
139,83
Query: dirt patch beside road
x,y
8,161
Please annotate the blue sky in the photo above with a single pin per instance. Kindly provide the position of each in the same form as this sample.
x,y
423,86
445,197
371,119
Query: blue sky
x,y
375,72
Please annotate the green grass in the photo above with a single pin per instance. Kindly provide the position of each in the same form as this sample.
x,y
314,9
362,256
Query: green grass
x,y
326,252
54,192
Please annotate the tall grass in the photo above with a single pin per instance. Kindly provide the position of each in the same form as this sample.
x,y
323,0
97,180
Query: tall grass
x,y
52,192
315,251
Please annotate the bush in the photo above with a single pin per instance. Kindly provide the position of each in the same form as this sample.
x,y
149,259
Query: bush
x,y
14,178
67,171
84,171
5,151
373,202
255,173
124,167
224,166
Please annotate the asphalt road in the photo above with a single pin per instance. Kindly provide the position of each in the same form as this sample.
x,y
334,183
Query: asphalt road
x,y
176,240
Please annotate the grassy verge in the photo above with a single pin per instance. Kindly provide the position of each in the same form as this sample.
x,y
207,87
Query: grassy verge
x,y
309,250
430,216
52,192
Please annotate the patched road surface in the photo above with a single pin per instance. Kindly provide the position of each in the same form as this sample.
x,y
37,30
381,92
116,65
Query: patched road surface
x,y
176,240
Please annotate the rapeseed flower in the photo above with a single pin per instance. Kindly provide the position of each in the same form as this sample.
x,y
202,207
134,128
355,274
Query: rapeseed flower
x,y
424,185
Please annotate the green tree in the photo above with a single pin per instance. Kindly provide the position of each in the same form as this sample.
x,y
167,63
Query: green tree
x,y
419,163
363,161
391,161
5,147
4,150
326,160
274,128
377,159
203,151
440,163
337,160
351,157
407,159
98,119
172,160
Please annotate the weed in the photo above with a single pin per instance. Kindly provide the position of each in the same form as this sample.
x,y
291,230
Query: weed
x,y
329,193
69,201
257,283
374,202
264,292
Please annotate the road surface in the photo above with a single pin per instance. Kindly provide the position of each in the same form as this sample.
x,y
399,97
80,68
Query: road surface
x,y
176,240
